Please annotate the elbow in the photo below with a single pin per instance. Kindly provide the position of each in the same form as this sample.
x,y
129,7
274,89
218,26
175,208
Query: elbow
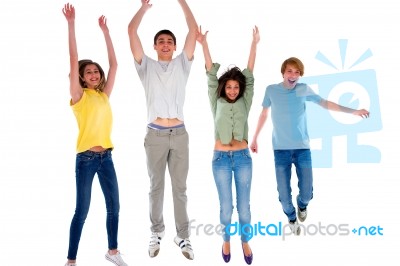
x,y
324,104
131,29
114,65
264,115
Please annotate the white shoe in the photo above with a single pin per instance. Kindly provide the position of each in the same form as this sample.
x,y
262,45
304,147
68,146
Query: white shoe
x,y
302,214
154,245
185,246
116,259
294,226
70,264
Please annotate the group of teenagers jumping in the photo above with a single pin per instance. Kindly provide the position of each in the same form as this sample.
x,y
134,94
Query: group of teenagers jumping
x,y
166,142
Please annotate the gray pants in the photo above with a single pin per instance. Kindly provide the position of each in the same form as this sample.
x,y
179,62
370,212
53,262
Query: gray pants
x,y
168,146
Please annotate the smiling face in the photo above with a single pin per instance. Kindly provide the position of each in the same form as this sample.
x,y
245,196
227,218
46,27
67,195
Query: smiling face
x,y
292,69
291,76
91,76
232,90
165,47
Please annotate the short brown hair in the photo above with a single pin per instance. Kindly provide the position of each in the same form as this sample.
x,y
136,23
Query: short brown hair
x,y
166,32
293,61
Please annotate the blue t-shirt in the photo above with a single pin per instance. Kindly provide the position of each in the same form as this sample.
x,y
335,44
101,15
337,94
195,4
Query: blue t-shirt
x,y
288,112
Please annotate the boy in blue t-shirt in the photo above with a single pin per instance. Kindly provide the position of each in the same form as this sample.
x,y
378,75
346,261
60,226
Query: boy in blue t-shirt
x,y
290,139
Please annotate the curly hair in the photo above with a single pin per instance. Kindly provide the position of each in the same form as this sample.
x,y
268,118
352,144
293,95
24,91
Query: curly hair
x,y
82,65
231,74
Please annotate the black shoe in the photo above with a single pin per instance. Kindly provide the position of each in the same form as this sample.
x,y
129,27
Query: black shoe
x,y
227,257
247,259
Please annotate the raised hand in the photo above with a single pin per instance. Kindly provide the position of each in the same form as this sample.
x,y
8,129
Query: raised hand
x,y
146,3
201,38
256,35
69,12
103,23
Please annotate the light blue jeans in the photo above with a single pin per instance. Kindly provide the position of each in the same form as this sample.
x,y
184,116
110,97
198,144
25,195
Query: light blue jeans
x,y
227,165
284,159
89,163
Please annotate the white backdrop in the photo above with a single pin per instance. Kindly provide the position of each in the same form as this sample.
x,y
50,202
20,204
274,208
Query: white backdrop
x,y
38,131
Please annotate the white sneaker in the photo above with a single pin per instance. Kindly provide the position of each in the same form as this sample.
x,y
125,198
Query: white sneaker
x,y
116,259
154,245
294,226
185,246
70,264
302,214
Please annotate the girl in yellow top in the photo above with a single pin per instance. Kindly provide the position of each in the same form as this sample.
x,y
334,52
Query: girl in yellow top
x,y
90,91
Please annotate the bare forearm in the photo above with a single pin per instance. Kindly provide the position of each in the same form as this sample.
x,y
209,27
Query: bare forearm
x,y
260,124
135,43
112,59
336,107
73,50
253,49
207,56
190,20
252,56
190,42
136,20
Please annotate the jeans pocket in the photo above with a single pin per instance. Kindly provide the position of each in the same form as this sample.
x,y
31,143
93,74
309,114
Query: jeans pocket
x,y
246,154
85,156
217,156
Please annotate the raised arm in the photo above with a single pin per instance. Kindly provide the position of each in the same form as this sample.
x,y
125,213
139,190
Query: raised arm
x,y
112,59
190,42
75,89
202,39
135,43
253,49
261,121
339,108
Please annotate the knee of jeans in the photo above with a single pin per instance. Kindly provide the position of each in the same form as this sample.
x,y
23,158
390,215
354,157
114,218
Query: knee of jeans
x,y
80,215
113,208
226,210
244,210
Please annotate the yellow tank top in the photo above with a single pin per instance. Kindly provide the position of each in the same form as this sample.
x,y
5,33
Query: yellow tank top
x,y
94,117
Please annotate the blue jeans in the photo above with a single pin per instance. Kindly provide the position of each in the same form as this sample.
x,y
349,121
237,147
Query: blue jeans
x,y
239,165
284,159
89,163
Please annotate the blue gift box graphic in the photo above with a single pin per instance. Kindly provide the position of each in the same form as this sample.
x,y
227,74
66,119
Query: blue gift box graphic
x,y
347,87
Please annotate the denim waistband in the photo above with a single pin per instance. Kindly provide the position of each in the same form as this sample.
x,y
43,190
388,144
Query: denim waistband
x,y
89,152
233,153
